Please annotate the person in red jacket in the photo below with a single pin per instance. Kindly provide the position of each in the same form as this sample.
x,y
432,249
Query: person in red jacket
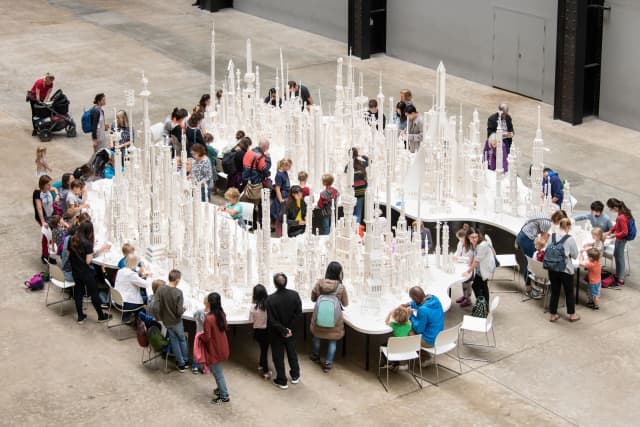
x,y
620,230
216,345
40,92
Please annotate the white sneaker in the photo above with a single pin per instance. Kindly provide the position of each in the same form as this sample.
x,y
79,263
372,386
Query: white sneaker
x,y
427,362
295,380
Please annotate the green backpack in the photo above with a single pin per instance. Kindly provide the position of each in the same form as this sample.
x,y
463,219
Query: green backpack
x,y
156,340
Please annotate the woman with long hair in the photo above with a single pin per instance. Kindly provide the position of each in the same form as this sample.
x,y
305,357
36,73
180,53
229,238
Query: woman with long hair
x,y
620,231
81,256
258,316
330,295
482,263
216,345
563,279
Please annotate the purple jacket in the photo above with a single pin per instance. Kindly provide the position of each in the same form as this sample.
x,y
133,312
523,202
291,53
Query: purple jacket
x,y
489,156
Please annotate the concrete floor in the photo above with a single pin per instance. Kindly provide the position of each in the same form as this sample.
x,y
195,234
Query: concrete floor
x,y
55,372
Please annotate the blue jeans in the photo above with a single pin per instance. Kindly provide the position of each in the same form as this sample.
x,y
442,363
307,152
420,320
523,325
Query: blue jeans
x,y
216,371
359,208
204,196
331,349
618,255
178,343
527,248
325,229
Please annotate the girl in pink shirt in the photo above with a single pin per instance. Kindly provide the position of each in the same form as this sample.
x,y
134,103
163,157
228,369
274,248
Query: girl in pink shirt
x,y
258,316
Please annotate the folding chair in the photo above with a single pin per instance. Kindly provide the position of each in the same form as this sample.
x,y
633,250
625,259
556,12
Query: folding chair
x,y
401,349
57,280
539,276
117,302
508,261
480,325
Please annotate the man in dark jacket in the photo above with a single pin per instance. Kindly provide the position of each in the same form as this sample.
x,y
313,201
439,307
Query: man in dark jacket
x,y
507,125
98,123
284,308
552,186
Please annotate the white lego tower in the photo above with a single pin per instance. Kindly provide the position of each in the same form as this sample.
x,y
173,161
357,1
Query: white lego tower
x,y
537,203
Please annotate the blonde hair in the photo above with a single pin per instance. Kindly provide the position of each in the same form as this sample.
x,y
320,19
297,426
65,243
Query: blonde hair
x,y
122,115
49,76
232,194
327,179
41,151
594,254
597,234
400,315
539,243
284,162
303,176
565,224
127,248
131,261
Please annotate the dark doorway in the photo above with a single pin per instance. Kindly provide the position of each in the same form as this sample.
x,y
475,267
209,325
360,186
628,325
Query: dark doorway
x,y
593,58
367,27
378,27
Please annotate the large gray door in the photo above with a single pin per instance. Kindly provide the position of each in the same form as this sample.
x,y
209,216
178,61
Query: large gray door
x,y
518,52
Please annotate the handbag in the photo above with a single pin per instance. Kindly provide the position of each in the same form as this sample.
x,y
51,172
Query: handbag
x,y
480,309
252,193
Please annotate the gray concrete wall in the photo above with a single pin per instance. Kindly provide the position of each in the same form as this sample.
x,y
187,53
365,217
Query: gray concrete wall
x,y
619,83
325,17
460,33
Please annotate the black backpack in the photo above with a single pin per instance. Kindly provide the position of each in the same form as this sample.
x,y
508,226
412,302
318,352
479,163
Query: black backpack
x,y
554,256
229,162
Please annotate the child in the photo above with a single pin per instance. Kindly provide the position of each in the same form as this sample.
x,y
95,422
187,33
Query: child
x,y
281,188
258,316
42,166
198,356
74,198
464,255
598,240
594,272
539,243
127,249
302,182
327,198
58,233
398,321
233,206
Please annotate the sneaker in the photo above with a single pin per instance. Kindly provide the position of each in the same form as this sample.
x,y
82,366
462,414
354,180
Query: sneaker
x,y
187,364
280,386
427,362
590,304
220,400
326,367
105,318
181,368
314,358
295,380
465,303
534,294
461,299
195,371
80,320
267,375
596,307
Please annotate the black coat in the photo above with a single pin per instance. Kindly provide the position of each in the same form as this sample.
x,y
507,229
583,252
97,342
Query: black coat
x,y
492,126
294,228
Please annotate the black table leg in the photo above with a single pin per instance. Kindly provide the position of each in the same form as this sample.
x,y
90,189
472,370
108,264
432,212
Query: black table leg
x,y
304,327
344,343
577,285
367,340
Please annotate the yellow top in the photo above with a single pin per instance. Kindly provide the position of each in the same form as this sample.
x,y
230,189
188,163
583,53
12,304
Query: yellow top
x,y
299,216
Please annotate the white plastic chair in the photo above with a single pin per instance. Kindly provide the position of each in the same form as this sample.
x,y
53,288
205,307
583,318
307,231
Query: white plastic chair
x,y
247,212
401,349
57,280
540,276
446,341
480,325
507,261
117,302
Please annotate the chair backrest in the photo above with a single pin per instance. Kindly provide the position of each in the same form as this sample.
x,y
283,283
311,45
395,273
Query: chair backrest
x,y
494,303
403,344
448,336
156,131
116,297
56,273
536,268
247,211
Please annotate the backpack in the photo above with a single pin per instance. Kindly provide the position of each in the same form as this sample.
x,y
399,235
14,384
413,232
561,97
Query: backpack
x,y
36,283
631,229
554,256
328,195
141,333
86,121
229,163
328,310
154,335
480,308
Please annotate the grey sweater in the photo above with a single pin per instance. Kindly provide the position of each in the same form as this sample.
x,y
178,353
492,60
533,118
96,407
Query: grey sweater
x,y
570,251
167,305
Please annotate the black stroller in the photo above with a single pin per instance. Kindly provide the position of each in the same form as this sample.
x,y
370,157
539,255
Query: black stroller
x,y
53,116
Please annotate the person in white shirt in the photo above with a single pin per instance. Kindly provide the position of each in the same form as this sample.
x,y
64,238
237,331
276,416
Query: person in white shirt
x,y
129,282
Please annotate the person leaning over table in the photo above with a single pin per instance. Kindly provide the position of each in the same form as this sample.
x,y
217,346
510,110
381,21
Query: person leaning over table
x,y
596,217
482,263
427,319
535,225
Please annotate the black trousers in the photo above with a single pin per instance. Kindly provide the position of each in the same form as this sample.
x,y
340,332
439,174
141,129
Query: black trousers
x,y
278,348
262,337
480,287
561,281
86,281
33,113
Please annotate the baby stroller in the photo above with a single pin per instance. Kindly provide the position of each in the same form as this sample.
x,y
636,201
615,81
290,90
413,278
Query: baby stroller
x,y
53,116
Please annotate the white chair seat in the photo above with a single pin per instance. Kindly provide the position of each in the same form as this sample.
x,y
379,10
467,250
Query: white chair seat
x,y
62,284
442,349
507,260
397,357
474,324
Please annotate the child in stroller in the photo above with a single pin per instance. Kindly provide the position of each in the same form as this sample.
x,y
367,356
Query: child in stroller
x,y
53,116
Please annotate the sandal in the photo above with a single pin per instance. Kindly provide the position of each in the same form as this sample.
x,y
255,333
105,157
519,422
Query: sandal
x,y
554,318
574,319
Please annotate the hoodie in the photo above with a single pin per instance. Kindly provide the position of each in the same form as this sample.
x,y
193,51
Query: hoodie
x,y
428,319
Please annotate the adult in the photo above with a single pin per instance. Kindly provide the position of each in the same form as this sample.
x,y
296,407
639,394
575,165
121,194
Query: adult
x,y
360,183
173,124
232,162
281,188
43,198
256,163
328,292
296,210
40,92
129,282
400,116
552,186
413,134
535,225
272,99
372,115
204,103
302,92
193,132
284,308
596,217
620,230
490,153
563,279
168,306
81,256
201,170
482,263
216,345
406,96
98,123
427,319
503,116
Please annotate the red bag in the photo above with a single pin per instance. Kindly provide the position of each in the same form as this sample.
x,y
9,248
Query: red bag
x,y
606,279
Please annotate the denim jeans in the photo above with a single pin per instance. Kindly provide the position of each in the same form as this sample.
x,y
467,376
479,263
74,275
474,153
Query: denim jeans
x,y
359,209
178,343
527,248
618,255
331,349
216,371
325,229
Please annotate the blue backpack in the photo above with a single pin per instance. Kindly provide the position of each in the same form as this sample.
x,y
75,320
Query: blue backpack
x,y
631,229
554,255
86,120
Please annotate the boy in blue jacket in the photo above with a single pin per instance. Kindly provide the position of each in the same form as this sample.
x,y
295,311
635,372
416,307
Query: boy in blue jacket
x,y
552,180
427,318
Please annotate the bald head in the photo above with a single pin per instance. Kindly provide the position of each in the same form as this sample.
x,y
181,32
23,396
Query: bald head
x,y
264,143
416,294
